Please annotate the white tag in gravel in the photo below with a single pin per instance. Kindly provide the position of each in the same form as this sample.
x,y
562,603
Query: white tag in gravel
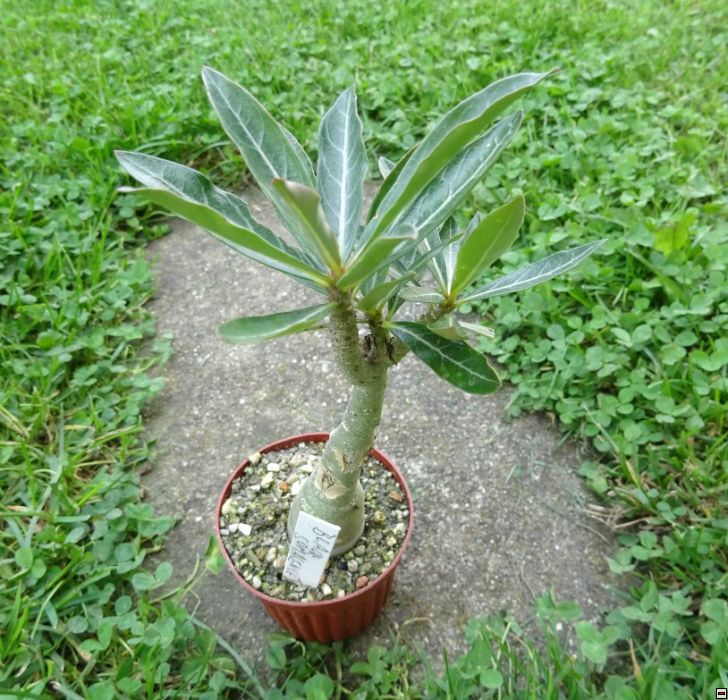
x,y
312,542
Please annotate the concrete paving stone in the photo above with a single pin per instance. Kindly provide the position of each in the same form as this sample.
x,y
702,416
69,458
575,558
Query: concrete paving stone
x,y
498,504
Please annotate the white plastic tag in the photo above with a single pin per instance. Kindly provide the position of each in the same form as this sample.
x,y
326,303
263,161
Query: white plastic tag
x,y
312,542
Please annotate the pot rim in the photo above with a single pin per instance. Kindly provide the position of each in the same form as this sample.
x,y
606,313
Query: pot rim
x,y
381,457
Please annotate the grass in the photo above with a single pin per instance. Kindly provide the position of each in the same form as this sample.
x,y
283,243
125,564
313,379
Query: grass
x,y
626,142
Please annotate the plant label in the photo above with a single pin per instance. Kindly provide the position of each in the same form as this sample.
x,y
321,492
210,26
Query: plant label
x,y
312,542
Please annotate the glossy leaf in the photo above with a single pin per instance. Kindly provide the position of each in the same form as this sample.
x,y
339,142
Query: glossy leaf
x,y
341,169
267,147
368,283
191,195
535,273
385,166
425,295
492,237
465,122
379,294
305,204
254,329
477,328
455,361
441,263
373,258
388,183
447,327
424,258
449,188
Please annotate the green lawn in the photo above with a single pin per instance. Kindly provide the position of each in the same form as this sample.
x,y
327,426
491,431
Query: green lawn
x,y
626,142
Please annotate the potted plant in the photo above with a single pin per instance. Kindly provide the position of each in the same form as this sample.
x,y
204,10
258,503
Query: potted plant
x,y
364,272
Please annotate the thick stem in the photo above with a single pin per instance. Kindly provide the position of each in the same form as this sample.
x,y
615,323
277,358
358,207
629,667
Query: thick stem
x,y
333,492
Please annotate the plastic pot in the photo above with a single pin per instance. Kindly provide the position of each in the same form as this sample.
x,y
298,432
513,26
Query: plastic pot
x,y
326,620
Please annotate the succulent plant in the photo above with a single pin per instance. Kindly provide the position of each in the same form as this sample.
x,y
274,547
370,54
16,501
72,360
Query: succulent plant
x,y
364,271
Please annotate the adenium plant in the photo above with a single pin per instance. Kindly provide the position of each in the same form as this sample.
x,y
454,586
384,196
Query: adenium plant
x,y
364,271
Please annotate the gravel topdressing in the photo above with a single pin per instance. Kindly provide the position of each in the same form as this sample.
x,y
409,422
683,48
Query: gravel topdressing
x,y
253,524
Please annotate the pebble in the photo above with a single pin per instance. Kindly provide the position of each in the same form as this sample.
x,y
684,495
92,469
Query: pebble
x,y
262,556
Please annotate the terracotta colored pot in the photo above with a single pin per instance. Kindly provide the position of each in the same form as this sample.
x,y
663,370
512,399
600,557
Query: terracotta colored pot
x,y
327,620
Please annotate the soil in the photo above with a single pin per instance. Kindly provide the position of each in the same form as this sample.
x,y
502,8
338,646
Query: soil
x,y
254,519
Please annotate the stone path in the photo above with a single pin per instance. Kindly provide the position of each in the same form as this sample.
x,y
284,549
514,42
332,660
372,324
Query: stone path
x,y
498,505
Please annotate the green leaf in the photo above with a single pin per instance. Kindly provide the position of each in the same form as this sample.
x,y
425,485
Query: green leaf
x,y
254,329
389,181
535,273
318,687
596,652
450,253
385,166
341,169
477,329
163,572
423,295
192,196
373,257
275,656
449,187
455,361
418,262
265,144
448,327
491,678
491,238
143,581
305,204
715,609
77,624
379,294
587,632
24,557
674,237
460,126
214,558
437,265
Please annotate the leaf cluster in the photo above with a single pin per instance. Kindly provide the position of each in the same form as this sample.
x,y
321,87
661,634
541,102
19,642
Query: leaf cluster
x,y
409,228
